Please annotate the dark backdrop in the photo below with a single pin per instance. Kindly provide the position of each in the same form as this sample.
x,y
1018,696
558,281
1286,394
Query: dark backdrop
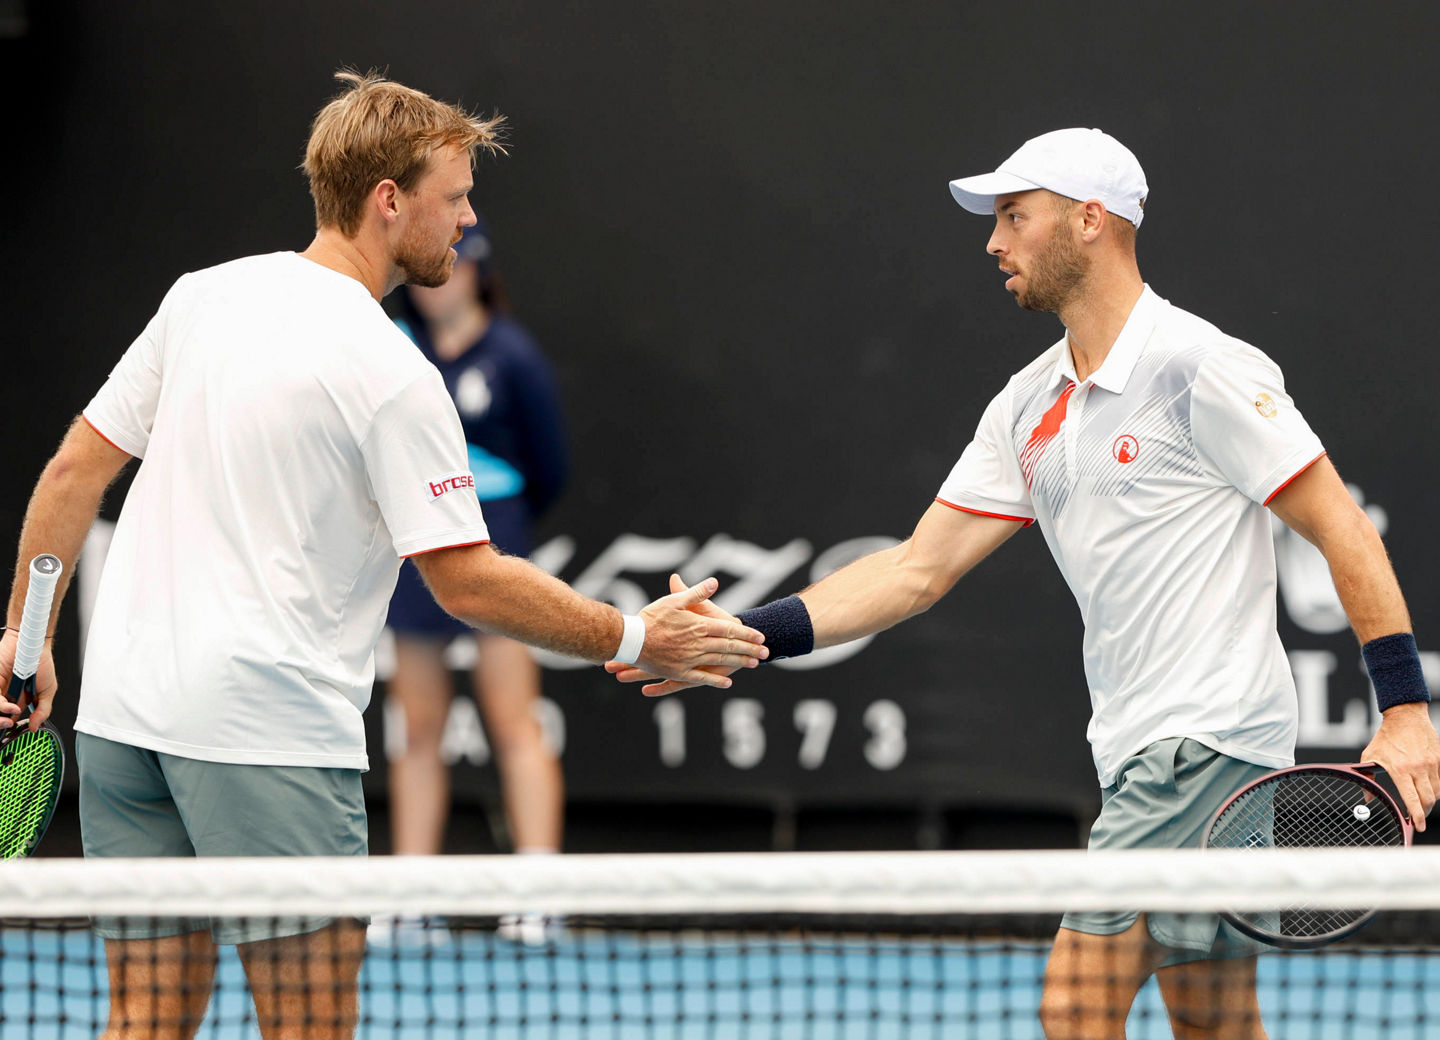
x,y
774,331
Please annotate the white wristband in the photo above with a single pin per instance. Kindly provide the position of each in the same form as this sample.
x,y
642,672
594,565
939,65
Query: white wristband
x,y
633,641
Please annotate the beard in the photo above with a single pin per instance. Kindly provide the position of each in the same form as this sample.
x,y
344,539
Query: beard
x,y
1055,275
421,266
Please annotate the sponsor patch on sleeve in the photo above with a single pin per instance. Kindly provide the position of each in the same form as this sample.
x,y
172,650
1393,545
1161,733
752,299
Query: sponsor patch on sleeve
x,y
463,480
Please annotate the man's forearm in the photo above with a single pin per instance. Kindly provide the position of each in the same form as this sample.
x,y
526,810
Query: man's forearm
x,y
513,597
62,509
869,595
887,587
1365,580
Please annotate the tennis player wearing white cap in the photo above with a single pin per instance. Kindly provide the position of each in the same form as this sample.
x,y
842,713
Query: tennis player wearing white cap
x,y
1146,444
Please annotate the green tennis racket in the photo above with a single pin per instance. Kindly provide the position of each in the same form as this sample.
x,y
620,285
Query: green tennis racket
x,y
32,761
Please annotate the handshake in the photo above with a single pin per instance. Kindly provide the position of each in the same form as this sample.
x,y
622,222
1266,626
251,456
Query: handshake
x,y
690,642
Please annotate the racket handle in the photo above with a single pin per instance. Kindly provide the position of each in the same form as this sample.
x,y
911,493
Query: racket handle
x,y
44,576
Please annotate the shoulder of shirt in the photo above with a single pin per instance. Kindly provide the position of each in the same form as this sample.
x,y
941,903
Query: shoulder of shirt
x,y
1190,337
258,264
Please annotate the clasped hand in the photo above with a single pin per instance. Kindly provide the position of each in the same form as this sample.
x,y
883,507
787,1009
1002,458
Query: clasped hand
x,y
689,641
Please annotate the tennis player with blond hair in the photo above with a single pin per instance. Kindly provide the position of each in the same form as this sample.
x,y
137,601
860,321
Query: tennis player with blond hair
x,y
1146,445
295,447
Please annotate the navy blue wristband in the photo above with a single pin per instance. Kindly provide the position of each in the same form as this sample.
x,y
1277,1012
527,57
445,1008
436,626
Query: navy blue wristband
x,y
1394,666
785,623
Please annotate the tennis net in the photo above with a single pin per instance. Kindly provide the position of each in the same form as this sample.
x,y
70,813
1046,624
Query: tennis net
x,y
823,946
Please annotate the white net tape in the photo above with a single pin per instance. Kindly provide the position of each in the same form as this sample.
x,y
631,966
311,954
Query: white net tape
x,y
821,883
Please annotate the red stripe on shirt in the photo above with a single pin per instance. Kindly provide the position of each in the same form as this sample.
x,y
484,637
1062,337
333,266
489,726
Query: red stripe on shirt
x,y
104,438
1027,521
457,545
1292,480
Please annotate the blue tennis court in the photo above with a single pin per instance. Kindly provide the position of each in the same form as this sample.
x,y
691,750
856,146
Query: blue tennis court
x,y
685,985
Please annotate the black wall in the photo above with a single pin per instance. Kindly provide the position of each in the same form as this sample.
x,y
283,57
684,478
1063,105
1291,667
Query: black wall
x,y
729,225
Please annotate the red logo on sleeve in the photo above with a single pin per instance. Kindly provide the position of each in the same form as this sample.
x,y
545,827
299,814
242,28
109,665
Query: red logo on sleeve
x,y
1126,448
454,482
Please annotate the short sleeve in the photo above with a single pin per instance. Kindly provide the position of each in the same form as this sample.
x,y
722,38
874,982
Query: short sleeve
x,y
123,410
1246,426
416,461
987,479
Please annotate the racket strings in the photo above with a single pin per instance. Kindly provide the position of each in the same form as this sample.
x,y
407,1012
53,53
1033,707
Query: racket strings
x,y
29,785
1308,810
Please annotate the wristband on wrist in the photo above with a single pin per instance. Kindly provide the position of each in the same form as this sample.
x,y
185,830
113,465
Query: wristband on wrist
x,y
1394,666
632,641
785,623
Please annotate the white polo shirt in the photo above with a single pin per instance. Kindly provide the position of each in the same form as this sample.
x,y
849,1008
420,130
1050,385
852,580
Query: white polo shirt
x,y
295,446
1149,481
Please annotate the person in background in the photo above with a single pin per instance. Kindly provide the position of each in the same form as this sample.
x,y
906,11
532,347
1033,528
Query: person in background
x,y
506,397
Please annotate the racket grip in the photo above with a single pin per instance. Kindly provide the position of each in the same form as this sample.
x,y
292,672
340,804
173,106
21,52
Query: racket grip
x,y
44,576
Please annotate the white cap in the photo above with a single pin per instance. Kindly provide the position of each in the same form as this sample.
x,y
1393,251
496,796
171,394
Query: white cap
x,y
1077,163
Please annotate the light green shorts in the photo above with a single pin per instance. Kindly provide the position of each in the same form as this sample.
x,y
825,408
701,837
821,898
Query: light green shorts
x,y
1162,798
136,802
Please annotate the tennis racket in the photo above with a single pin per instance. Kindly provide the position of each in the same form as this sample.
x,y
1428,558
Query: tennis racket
x,y
32,761
1309,806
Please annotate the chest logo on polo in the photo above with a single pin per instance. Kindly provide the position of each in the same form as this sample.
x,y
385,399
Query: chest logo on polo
x,y
1125,449
1265,405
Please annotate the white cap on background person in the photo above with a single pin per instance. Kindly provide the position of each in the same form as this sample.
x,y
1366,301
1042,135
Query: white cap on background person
x,y
1079,164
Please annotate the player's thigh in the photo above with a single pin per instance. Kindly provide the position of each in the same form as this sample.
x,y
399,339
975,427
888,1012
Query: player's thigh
x,y
1091,981
127,810
306,985
126,806
1162,798
232,809
1215,998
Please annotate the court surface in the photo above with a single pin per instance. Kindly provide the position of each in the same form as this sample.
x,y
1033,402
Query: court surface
x,y
683,986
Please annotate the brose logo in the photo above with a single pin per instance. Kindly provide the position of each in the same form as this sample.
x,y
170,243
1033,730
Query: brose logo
x,y
454,482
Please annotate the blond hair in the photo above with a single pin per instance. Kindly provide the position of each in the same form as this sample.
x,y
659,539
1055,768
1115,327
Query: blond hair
x,y
375,130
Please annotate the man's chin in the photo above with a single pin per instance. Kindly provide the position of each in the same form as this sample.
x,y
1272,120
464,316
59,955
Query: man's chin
x,y
430,277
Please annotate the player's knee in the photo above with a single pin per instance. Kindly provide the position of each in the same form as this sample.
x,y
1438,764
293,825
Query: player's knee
x,y
1061,1012
515,733
1196,1021
1202,1006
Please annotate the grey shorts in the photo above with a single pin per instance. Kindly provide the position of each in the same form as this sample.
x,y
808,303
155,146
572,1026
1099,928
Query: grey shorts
x,y
136,802
1162,798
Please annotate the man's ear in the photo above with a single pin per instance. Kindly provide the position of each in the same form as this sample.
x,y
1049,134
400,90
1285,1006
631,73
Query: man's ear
x,y
386,200
1093,216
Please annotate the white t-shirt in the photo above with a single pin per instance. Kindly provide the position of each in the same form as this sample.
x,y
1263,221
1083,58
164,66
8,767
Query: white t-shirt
x,y
296,445
1149,481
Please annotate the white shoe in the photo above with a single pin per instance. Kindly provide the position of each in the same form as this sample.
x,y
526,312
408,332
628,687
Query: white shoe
x,y
406,930
531,929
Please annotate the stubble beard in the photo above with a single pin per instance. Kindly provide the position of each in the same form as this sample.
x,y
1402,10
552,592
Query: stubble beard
x,y
421,268
1055,275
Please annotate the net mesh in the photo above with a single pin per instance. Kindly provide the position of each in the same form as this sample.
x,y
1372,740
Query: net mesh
x,y
805,945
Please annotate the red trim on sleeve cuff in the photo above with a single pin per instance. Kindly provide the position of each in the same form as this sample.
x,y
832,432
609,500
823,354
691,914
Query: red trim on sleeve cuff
x,y
457,545
104,438
1292,479
1026,520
